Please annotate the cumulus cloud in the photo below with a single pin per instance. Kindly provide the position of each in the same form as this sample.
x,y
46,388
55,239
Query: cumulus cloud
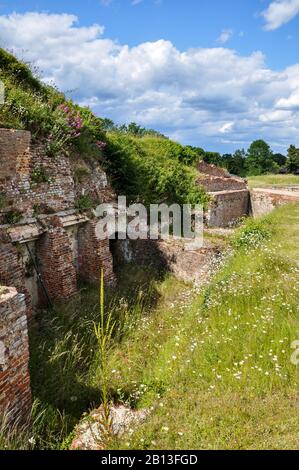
x,y
211,97
279,13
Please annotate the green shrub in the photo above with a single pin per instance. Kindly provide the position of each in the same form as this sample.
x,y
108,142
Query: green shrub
x,y
13,217
84,202
9,65
39,176
150,170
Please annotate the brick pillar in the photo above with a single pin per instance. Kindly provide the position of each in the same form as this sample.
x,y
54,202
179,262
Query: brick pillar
x,y
55,260
15,392
94,254
12,272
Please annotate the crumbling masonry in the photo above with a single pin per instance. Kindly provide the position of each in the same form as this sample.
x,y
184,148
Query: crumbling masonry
x,y
46,245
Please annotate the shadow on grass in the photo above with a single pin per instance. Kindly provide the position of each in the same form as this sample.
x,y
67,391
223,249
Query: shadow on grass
x,y
63,347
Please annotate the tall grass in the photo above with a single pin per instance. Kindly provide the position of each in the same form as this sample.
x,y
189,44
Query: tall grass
x,y
218,369
68,351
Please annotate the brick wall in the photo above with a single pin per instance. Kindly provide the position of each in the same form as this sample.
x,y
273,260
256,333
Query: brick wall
x,y
55,261
94,254
264,201
15,393
213,178
212,170
227,207
19,162
12,272
214,183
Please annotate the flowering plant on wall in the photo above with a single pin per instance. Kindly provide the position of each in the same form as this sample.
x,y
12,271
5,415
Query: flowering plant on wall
x,y
68,127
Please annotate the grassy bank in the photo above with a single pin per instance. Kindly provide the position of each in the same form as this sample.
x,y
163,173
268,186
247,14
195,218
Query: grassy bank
x,y
269,181
65,367
215,368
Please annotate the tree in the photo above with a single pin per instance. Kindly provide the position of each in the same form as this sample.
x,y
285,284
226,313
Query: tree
x,y
293,159
235,163
279,159
213,158
260,158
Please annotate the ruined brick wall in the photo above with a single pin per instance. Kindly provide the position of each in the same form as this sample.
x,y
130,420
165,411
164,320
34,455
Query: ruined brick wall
x,y
34,185
169,255
214,183
229,195
15,393
91,180
12,272
55,262
264,201
20,166
212,170
227,207
94,254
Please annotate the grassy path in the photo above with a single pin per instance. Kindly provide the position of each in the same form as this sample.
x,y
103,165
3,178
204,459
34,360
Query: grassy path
x,y
215,368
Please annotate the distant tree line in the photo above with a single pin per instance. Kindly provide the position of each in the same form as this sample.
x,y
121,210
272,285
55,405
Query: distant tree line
x,y
257,160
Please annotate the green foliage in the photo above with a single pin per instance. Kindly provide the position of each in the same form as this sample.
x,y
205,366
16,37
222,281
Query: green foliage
x,y
213,158
293,159
13,217
39,175
151,170
236,163
131,129
84,202
10,66
259,159
279,159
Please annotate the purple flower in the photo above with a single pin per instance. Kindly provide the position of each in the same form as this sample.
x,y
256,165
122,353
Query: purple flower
x,y
101,144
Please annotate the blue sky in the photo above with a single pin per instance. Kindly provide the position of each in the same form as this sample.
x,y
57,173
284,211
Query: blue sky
x,y
214,73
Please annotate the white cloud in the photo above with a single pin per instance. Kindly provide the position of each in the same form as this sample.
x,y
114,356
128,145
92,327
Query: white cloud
x,y
225,35
292,102
197,96
279,13
226,128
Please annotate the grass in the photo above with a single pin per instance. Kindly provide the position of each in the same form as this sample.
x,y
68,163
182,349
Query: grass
x,y
215,367
270,181
65,363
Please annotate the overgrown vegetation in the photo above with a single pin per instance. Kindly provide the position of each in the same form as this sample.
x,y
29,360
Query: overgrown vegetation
x,y
153,170
215,369
66,368
213,366
143,164
39,175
